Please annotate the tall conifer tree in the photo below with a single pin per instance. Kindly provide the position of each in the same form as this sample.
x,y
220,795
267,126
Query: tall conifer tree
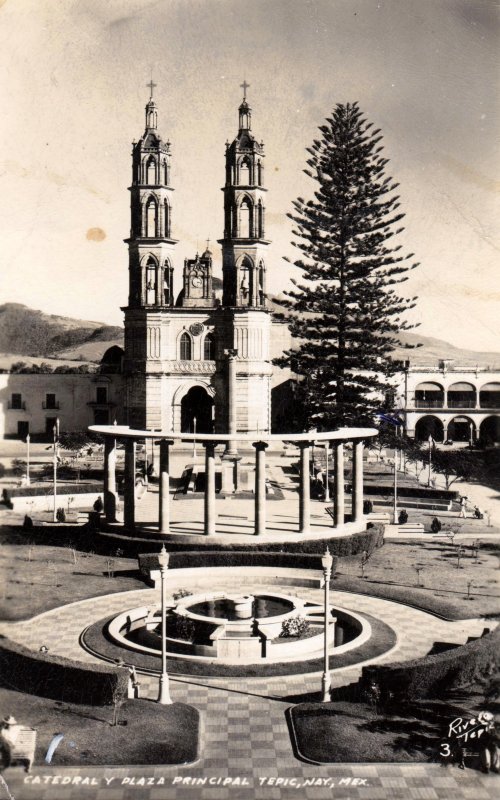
x,y
346,312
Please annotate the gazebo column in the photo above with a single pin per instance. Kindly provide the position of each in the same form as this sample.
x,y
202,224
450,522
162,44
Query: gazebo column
x,y
338,512
232,449
164,487
129,491
304,488
260,487
210,514
110,494
357,481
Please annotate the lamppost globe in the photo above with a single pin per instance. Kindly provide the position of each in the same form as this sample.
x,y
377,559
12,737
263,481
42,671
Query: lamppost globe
x,y
163,558
327,560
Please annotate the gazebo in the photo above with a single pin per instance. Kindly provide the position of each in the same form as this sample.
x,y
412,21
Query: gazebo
x,y
304,441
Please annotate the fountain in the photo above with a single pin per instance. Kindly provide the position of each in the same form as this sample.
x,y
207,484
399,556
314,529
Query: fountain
x,y
235,628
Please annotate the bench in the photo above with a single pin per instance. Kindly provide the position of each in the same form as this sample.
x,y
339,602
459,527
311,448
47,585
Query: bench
x,y
411,527
24,748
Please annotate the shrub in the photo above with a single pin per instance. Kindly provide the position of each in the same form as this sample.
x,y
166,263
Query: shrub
x,y
99,505
27,523
179,627
59,678
180,593
433,675
294,626
367,506
61,515
403,517
39,491
435,525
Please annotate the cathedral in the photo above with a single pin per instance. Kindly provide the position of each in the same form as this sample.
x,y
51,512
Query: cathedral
x,y
196,358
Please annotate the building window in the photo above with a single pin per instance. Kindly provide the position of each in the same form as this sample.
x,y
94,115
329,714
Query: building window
x,y
209,347
50,401
16,401
50,424
23,428
101,416
101,394
186,354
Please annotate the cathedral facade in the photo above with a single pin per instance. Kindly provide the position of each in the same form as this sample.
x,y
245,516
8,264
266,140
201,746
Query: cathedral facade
x,y
197,359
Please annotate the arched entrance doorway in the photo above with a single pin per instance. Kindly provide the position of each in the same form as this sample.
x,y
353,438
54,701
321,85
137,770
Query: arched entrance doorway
x,y
489,432
461,429
429,426
197,404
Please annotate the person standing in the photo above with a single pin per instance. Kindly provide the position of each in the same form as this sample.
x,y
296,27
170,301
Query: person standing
x,y
463,507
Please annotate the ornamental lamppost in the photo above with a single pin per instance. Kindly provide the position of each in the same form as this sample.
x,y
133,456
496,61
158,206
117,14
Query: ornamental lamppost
x,y
28,439
55,431
431,442
326,562
327,476
164,694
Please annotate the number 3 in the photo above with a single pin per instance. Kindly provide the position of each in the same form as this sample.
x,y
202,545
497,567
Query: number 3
x,y
446,747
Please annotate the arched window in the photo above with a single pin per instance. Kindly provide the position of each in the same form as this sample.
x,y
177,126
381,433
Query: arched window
x,y
151,172
166,218
167,295
246,282
186,349
245,173
260,220
150,281
209,347
245,231
151,214
165,173
259,173
262,297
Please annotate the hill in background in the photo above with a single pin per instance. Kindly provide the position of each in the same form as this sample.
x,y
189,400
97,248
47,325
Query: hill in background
x,y
26,332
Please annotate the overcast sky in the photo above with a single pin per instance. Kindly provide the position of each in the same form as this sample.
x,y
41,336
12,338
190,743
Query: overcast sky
x,y
73,99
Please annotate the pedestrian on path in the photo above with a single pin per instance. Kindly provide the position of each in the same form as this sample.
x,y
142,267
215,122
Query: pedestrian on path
x,y
463,507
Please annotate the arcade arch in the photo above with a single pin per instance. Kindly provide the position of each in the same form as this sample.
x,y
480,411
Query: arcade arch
x,y
429,426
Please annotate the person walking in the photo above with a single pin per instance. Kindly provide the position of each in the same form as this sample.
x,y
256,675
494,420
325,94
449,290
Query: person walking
x,y
490,761
463,507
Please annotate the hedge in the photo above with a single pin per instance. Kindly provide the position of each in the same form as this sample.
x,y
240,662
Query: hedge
x,y
411,491
234,558
62,489
59,678
338,546
433,675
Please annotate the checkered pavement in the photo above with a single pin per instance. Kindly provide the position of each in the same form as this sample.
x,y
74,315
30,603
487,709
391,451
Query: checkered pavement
x,y
244,730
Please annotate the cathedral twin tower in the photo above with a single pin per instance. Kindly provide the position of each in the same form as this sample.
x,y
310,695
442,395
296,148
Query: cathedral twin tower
x,y
197,361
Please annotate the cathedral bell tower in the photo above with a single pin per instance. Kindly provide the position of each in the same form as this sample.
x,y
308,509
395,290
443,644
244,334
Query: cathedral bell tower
x,y
150,247
150,243
247,321
244,244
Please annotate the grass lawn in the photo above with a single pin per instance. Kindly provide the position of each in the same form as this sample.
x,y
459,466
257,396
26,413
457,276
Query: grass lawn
x,y
147,733
344,732
391,572
37,577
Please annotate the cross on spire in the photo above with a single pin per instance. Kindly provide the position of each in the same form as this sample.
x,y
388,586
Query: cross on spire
x,y
151,87
244,86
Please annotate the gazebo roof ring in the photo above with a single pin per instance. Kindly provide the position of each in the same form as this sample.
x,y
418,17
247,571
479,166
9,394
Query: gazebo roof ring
x,y
342,434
